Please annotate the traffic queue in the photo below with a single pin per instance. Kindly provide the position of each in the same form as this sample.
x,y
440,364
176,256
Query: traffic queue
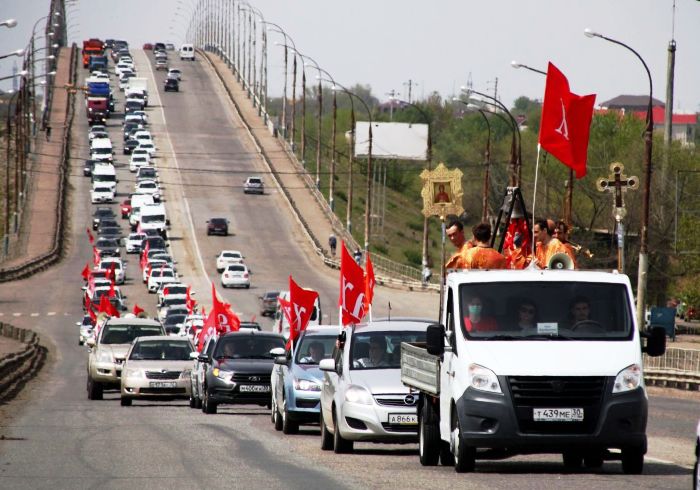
x,y
513,367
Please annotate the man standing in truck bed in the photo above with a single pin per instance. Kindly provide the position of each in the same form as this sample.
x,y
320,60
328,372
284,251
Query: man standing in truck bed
x,y
482,256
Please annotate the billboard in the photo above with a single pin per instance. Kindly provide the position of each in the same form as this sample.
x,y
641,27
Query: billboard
x,y
390,140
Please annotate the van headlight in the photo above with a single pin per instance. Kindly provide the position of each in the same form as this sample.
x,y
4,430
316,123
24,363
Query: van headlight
x,y
483,379
358,394
306,385
221,374
628,379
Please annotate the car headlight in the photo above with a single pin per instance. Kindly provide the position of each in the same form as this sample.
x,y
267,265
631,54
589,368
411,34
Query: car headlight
x,y
132,373
221,374
185,374
104,356
306,385
358,394
483,379
628,379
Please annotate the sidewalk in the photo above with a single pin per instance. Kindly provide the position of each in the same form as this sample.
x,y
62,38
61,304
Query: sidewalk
x,y
38,223
306,205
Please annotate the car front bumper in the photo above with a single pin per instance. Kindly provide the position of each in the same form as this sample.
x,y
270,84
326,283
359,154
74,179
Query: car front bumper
x,y
304,406
360,422
141,387
108,373
221,391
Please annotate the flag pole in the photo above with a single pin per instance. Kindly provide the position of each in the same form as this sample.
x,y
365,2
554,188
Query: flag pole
x,y
534,201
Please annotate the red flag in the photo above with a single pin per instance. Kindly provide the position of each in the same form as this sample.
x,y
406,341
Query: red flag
x,y
207,331
91,312
221,316
302,303
286,307
107,307
566,122
137,309
144,255
95,256
369,282
189,302
352,289
111,293
91,238
86,272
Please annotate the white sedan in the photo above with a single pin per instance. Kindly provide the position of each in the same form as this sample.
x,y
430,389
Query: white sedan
x,y
119,268
148,146
137,161
228,257
150,187
100,194
159,276
235,276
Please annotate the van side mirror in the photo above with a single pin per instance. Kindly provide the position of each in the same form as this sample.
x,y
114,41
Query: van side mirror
x,y
90,342
656,341
435,339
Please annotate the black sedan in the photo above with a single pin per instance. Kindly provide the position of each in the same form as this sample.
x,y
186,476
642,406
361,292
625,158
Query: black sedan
x,y
171,85
130,145
240,369
217,226
102,214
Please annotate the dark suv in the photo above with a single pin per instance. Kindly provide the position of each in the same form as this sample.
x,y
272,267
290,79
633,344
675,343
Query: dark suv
x,y
217,226
268,303
240,369
171,85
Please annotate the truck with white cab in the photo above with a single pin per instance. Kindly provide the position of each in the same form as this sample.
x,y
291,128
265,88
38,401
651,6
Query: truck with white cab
x,y
533,361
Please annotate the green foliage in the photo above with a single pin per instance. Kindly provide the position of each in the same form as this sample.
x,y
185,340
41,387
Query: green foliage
x,y
413,256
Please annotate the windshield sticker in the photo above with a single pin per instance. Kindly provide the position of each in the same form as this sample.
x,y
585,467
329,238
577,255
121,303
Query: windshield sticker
x,y
548,328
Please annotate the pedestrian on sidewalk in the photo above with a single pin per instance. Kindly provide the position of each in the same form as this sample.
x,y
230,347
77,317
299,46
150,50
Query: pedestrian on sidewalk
x,y
332,243
358,256
48,132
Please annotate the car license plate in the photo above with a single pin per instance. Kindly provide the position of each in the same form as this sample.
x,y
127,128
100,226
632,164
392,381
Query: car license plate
x,y
557,414
163,384
403,418
254,388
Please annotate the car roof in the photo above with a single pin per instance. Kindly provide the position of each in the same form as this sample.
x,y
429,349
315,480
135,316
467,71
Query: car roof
x,y
413,324
169,338
230,252
252,333
322,330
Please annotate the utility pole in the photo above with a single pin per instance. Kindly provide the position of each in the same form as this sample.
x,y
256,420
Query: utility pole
x,y
393,94
410,85
668,113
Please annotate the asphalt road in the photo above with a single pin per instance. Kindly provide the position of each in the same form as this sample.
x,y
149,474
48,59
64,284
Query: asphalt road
x,y
53,437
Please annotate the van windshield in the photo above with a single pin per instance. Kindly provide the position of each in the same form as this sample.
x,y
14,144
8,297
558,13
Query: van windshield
x,y
102,151
545,311
104,178
153,218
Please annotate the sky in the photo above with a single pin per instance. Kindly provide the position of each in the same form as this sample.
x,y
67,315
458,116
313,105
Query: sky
x,y
438,44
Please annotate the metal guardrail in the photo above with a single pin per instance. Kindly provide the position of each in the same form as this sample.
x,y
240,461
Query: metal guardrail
x,y
679,368
40,262
391,272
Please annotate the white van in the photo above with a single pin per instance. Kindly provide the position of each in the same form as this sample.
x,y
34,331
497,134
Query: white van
x,y
101,150
187,52
138,200
104,175
282,325
153,218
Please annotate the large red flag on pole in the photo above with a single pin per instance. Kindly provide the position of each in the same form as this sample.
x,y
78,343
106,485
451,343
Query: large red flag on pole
x,y
566,122
86,272
352,289
369,283
302,303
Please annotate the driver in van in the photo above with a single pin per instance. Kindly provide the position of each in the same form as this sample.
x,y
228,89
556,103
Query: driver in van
x,y
475,321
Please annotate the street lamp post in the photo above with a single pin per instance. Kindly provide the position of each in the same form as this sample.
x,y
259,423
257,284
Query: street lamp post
x,y
319,100
642,275
19,52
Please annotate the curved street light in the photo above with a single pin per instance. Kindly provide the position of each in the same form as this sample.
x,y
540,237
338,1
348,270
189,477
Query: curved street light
x,y
9,23
19,52
642,274
319,99
276,28
368,201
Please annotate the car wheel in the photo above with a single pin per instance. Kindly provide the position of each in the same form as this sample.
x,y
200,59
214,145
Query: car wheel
x,y
125,401
94,390
696,468
446,456
288,425
572,460
276,418
465,456
593,459
80,342
247,286
340,444
208,406
326,437
428,436
193,402
633,460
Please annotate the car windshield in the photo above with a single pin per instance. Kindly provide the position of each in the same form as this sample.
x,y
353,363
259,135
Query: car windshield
x,y
254,181
165,350
230,255
174,301
545,311
175,319
175,290
314,348
108,265
247,346
161,273
218,221
235,268
106,242
125,334
102,151
102,189
136,238
380,350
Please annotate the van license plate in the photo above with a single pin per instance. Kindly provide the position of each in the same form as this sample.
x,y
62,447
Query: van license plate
x,y
254,388
557,414
403,419
163,384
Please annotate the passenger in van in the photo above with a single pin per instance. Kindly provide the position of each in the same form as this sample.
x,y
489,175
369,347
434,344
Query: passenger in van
x,y
482,255
476,321
527,315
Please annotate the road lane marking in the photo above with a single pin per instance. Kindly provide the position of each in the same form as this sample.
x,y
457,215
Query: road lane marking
x,y
34,314
16,314
177,166
51,313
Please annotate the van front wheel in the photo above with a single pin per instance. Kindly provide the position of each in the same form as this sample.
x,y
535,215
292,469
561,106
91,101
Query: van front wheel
x,y
428,436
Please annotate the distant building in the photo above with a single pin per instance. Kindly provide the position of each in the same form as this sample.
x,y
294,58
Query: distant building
x,y
683,125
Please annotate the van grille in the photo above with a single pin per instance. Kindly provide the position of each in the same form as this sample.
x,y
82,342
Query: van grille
x,y
530,392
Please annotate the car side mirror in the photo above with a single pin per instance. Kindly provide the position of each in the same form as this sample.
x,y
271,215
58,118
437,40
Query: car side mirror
x,y
90,342
281,360
277,351
327,365
194,355
203,358
656,341
435,339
